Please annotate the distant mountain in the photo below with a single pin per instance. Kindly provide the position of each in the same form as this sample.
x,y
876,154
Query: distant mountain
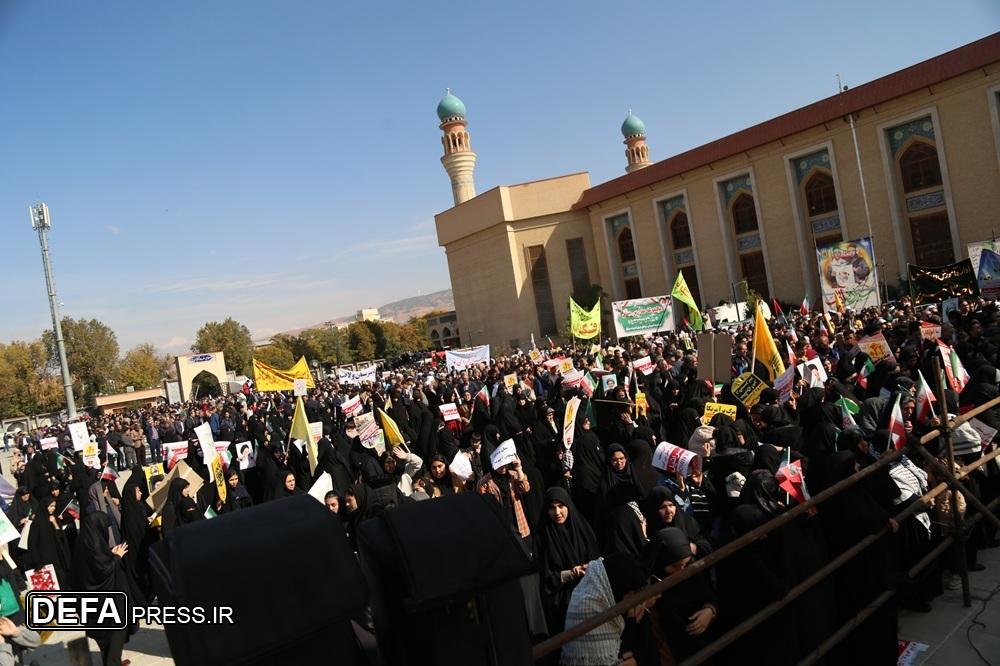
x,y
397,311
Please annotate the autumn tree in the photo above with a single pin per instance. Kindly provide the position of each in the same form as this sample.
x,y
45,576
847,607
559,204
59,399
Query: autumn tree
x,y
275,355
27,383
142,367
91,352
231,338
361,341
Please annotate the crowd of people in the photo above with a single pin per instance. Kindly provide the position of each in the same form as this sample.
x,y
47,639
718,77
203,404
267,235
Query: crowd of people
x,y
597,517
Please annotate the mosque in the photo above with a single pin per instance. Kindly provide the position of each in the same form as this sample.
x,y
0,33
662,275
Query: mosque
x,y
749,206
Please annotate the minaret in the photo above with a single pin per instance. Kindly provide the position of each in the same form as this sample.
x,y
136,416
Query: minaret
x,y
636,150
458,159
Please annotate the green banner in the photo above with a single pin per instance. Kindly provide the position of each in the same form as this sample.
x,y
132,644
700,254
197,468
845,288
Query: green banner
x,y
642,315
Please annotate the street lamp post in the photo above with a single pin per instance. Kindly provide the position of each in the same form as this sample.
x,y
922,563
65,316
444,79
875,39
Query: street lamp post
x,y
41,223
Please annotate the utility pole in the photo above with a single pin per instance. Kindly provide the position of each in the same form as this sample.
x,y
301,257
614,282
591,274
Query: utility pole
x,y
41,223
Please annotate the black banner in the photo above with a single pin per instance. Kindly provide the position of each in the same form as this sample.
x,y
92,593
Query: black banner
x,y
933,285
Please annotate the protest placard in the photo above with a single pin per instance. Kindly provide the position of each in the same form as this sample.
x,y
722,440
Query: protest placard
x,y
49,443
643,365
351,407
80,435
813,373
158,497
219,476
747,389
713,408
449,412
784,383
299,387
510,381
876,347
641,316
673,459
504,454
461,466
535,356
7,530
460,359
321,487
205,438
609,383
640,402
569,421
246,455
565,365
42,578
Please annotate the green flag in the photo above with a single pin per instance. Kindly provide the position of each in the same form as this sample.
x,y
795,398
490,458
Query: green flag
x,y
683,294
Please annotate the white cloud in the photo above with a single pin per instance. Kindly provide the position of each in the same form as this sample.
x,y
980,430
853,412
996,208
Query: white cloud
x,y
113,229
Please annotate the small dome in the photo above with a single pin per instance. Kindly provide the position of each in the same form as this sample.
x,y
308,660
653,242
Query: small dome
x,y
633,126
450,107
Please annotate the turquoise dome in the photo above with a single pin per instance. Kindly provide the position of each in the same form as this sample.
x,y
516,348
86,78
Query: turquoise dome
x,y
450,107
633,126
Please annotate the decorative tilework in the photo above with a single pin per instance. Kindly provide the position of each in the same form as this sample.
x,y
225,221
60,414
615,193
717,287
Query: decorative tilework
x,y
925,201
617,222
630,270
920,127
805,164
826,224
748,242
684,257
730,187
670,205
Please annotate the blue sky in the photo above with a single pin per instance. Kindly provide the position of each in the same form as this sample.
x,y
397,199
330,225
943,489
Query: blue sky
x,y
278,162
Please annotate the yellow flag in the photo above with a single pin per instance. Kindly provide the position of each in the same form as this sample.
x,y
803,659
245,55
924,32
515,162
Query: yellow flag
x,y
392,433
764,348
300,430
683,294
268,378
220,476
584,324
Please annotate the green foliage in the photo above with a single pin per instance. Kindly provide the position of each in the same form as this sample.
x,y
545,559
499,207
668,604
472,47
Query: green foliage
x,y
230,337
27,384
361,341
91,352
275,355
142,368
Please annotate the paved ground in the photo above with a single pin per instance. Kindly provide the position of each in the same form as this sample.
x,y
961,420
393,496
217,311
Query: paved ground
x,y
147,648
948,629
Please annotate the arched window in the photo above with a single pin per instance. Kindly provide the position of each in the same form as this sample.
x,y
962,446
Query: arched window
x,y
744,213
919,167
626,250
821,195
446,333
434,335
680,233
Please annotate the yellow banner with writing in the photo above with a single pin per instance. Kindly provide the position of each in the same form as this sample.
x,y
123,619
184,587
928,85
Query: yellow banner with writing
x,y
269,378
713,408
585,324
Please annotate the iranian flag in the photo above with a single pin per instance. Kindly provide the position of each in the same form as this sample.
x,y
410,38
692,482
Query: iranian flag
x,y
108,473
804,308
793,360
352,406
953,368
791,479
925,399
73,509
867,369
897,428
210,513
588,384
60,462
848,409
484,397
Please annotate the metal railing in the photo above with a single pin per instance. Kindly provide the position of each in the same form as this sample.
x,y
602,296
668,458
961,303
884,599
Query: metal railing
x,y
699,566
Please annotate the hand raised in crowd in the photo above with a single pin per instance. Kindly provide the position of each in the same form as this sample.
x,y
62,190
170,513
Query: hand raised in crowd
x,y
120,550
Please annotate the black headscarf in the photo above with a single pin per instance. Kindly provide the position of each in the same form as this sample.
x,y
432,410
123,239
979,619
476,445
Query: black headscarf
x,y
281,491
570,544
761,489
618,487
178,509
46,544
95,567
666,547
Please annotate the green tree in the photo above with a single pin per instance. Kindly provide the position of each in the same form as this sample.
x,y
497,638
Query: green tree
x,y
361,341
276,356
328,344
27,385
142,367
92,354
231,338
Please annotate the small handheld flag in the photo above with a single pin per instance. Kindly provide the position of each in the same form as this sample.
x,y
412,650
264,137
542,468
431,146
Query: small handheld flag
x,y
109,474
897,428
